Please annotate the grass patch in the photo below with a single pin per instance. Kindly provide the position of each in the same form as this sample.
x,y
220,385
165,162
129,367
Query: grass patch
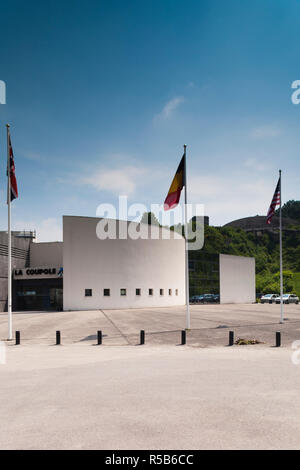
x,y
243,342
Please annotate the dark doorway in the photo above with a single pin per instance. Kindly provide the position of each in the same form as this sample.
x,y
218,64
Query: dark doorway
x,y
38,294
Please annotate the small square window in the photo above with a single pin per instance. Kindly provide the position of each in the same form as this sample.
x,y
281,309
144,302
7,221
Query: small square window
x,y
176,291
170,291
106,292
137,291
150,291
122,291
88,292
161,292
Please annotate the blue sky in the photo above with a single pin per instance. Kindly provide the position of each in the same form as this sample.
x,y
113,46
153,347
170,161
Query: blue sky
x,y
102,95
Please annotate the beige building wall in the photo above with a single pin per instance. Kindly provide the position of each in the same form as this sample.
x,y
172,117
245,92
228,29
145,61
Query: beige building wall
x,y
237,279
91,263
19,259
46,254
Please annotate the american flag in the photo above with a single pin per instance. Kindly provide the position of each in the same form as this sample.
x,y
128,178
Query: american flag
x,y
12,174
275,202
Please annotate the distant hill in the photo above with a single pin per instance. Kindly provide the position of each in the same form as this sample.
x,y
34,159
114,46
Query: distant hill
x,y
290,219
258,223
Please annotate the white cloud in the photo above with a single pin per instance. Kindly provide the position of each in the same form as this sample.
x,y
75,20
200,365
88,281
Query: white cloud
x,y
231,197
47,230
169,108
120,181
240,193
34,156
255,164
264,132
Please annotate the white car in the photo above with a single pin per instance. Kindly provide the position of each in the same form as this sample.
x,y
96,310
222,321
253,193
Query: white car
x,y
288,299
268,298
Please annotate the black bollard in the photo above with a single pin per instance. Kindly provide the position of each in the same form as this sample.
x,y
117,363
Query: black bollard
x,y
99,336
278,339
18,337
231,338
57,338
142,337
183,337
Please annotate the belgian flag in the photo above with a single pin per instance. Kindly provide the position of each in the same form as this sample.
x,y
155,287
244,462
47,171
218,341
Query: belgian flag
x,y
178,183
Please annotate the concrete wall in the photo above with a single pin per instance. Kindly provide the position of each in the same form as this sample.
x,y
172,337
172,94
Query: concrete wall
x,y
20,259
46,254
237,279
91,263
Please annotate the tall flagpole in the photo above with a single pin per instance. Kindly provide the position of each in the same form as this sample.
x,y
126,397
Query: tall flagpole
x,y
9,296
280,248
187,284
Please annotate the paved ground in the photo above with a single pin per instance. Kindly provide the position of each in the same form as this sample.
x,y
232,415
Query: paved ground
x,y
157,396
152,397
209,325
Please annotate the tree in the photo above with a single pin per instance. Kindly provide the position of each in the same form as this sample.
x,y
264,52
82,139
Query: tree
x,y
291,209
150,219
270,284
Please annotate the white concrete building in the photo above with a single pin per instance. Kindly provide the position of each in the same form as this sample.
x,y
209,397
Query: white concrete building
x,y
115,274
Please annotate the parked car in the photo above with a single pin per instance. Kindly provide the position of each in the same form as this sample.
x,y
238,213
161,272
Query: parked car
x,y
207,298
204,298
194,299
268,298
288,299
